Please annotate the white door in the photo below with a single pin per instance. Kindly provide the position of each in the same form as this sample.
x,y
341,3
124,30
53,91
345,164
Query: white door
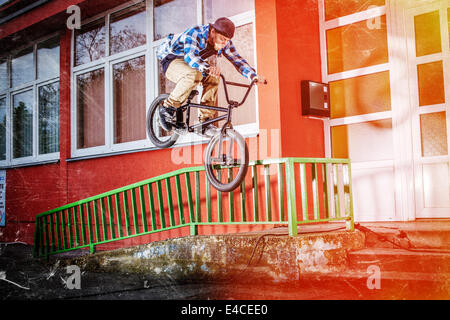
x,y
428,40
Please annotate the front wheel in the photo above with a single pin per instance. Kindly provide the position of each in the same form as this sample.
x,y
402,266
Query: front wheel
x,y
226,151
160,137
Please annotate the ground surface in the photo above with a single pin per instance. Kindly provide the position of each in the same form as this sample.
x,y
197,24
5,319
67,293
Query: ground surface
x,y
46,280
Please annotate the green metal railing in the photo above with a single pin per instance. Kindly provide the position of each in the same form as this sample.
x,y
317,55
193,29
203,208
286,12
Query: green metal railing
x,y
289,191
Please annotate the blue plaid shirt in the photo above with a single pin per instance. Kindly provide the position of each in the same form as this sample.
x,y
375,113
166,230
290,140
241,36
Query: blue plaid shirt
x,y
188,45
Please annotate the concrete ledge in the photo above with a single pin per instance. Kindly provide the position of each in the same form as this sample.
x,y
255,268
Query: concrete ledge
x,y
270,256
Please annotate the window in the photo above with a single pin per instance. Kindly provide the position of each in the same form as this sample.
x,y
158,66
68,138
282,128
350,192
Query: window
x,y
90,42
358,73
29,104
109,74
182,15
49,118
4,79
214,9
48,59
127,29
242,14
22,67
91,109
23,124
116,73
129,77
2,129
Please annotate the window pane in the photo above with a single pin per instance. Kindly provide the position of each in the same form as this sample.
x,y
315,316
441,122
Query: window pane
x,y
90,42
4,79
352,141
430,77
91,109
214,9
243,41
436,185
127,29
48,59
49,118
182,13
428,33
344,53
3,129
360,95
129,100
22,67
338,8
23,124
433,134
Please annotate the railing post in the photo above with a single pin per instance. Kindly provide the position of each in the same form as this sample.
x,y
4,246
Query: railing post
x,y
350,224
37,236
194,229
291,199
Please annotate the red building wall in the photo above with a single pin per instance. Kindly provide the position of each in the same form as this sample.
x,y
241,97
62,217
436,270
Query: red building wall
x,y
288,51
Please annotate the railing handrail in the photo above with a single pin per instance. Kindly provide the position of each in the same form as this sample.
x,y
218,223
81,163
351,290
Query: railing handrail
x,y
59,216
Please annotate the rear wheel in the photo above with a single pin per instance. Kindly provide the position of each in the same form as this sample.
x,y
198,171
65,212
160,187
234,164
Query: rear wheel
x,y
160,137
226,151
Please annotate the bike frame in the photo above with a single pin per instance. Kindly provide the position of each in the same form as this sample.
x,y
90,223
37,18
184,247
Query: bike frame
x,y
231,104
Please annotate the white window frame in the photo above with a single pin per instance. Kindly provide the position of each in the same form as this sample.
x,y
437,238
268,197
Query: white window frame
x,y
401,169
152,84
33,85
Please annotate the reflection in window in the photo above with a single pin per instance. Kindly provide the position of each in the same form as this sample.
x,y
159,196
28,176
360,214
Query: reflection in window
x,y
90,42
48,58
91,109
49,118
23,124
344,53
214,9
182,13
360,95
129,100
22,66
127,29
4,79
338,8
3,129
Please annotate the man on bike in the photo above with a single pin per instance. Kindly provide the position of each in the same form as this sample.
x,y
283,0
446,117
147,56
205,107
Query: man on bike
x,y
189,59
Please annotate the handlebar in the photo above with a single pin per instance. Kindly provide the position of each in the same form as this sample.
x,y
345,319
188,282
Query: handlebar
x,y
248,86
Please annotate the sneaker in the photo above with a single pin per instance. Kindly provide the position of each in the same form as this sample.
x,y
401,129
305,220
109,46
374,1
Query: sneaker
x,y
210,130
166,117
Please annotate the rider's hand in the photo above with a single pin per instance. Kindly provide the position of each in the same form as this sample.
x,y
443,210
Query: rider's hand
x,y
214,71
260,80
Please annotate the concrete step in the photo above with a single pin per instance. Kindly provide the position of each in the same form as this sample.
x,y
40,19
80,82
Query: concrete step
x,y
392,285
399,260
420,235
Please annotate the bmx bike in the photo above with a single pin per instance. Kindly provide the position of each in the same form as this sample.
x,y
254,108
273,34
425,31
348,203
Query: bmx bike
x,y
226,148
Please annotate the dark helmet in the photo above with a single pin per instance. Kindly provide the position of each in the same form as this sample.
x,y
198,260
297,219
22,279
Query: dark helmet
x,y
225,27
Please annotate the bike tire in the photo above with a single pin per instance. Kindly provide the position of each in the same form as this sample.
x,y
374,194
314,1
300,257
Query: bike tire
x,y
237,180
151,130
